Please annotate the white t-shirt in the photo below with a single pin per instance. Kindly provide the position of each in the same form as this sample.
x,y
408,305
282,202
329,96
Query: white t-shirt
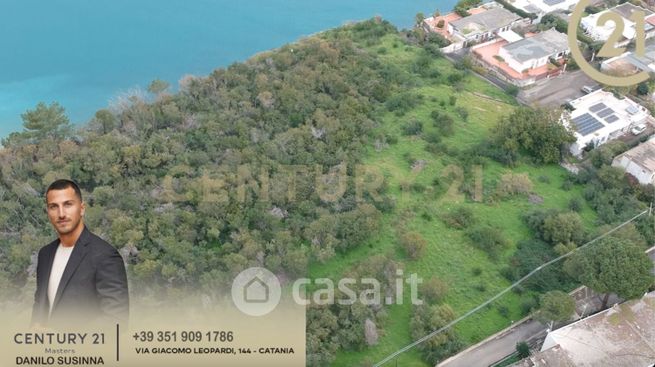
x,y
58,265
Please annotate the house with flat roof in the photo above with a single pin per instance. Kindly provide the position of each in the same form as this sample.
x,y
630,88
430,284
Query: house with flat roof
x,y
625,11
630,63
599,117
623,335
639,162
483,26
543,7
536,51
523,61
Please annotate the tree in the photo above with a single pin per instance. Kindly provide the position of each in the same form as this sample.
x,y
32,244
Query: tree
x,y
523,350
426,319
612,266
414,244
643,89
563,228
555,306
537,132
158,86
40,123
419,18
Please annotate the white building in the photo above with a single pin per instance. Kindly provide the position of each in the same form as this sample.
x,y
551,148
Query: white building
x,y
639,162
484,26
536,51
543,7
599,117
623,335
603,31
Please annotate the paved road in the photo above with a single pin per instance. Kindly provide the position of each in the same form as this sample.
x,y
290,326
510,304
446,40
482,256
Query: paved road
x,y
497,348
556,91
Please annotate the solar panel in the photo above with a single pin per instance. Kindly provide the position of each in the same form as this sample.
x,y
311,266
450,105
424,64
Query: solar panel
x,y
586,124
597,107
632,110
611,118
605,112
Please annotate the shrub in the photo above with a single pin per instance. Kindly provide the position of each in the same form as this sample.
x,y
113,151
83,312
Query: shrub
x,y
459,218
414,244
433,290
413,127
522,350
575,204
487,238
513,184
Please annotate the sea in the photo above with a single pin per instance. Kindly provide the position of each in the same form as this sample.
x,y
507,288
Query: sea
x,y
86,54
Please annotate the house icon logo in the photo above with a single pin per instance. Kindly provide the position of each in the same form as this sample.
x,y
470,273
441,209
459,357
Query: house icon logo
x,y
256,291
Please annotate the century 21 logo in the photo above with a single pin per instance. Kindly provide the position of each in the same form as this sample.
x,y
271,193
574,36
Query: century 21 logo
x,y
608,49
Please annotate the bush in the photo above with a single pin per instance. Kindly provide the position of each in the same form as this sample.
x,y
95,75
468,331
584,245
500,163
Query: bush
x,y
433,290
513,184
575,204
512,90
459,218
443,122
413,127
463,113
487,238
477,271
522,350
413,244
503,311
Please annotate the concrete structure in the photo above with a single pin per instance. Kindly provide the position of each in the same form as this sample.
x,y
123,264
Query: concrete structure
x,y
630,63
523,61
599,117
603,31
639,162
623,335
543,7
483,26
536,51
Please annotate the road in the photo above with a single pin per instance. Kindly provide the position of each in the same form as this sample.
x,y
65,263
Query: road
x,y
555,91
497,347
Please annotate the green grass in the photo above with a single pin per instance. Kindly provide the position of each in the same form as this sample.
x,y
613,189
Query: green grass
x,y
450,256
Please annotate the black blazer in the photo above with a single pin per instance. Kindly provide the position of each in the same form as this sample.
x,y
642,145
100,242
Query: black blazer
x,y
93,288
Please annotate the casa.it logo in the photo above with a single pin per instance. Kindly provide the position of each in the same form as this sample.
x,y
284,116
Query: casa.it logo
x,y
256,291
609,49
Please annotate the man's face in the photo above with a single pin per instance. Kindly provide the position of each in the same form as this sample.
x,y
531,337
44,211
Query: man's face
x,y
65,210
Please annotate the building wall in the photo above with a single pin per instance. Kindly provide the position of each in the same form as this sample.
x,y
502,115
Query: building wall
x,y
644,176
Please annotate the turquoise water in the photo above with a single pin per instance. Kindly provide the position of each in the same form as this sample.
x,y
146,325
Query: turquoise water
x,y
84,53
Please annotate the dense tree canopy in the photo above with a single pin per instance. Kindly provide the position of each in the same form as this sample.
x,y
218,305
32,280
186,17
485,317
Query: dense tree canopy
x,y
536,132
613,266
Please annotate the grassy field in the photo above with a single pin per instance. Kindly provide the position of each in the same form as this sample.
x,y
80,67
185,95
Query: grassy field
x,y
450,255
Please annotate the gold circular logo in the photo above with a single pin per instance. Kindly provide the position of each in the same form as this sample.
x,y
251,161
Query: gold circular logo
x,y
617,81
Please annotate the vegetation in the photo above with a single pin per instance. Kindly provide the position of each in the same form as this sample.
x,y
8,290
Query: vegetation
x,y
613,266
535,132
556,306
193,187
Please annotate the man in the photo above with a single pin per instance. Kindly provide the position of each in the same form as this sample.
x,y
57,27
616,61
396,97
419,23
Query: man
x,y
79,276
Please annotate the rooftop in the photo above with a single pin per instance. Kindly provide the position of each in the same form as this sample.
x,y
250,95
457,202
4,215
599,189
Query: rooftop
x,y
602,110
623,335
489,20
626,9
642,155
543,44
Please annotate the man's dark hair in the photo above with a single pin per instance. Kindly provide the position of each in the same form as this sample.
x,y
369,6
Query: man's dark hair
x,y
63,184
